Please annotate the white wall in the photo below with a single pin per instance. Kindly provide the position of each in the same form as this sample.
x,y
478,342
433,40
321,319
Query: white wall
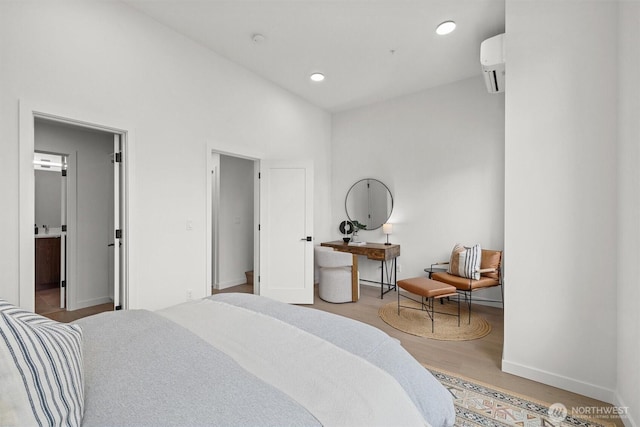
x,y
628,321
94,175
441,153
560,194
235,221
105,59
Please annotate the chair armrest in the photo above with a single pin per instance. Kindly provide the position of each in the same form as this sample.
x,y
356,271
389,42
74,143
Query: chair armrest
x,y
333,259
438,266
486,270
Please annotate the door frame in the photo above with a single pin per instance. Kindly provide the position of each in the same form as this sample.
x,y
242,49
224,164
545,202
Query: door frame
x,y
28,113
255,156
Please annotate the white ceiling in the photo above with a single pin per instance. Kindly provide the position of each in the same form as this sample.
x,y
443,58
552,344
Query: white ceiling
x,y
369,50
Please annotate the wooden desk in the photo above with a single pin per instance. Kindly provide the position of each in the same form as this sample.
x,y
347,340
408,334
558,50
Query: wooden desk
x,y
374,251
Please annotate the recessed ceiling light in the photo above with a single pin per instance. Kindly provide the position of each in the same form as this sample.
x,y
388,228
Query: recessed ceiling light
x,y
317,77
445,28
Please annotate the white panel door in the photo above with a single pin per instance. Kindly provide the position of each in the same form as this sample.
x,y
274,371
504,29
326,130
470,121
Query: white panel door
x,y
286,231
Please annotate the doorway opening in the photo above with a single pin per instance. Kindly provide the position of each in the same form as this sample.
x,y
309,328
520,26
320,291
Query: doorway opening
x,y
85,236
282,226
90,225
50,171
233,223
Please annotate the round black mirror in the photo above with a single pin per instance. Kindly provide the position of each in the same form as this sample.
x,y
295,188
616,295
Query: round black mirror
x,y
369,203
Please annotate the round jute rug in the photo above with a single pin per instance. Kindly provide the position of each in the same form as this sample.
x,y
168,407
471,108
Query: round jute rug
x,y
417,322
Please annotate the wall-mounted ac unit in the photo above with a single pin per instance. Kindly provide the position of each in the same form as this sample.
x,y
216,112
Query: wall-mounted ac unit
x,y
492,60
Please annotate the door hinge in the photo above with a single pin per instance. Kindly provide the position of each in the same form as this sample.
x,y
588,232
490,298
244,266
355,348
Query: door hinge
x,y
258,227
118,157
258,279
63,227
118,234
259,175
64,172
118,307
63,284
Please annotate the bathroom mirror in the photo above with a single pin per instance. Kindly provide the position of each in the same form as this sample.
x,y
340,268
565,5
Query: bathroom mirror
x,y
369,202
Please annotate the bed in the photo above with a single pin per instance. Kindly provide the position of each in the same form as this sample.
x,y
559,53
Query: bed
x,y
226,360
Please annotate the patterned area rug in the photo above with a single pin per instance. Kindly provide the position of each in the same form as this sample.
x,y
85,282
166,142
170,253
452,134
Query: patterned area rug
x,y
481,405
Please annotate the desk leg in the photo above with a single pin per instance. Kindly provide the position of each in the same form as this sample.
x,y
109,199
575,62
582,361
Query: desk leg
x,y
355,282
382,263
392,276
395,274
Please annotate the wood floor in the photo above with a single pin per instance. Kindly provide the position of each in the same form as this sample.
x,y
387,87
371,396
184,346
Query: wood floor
x,y
48,305
477,359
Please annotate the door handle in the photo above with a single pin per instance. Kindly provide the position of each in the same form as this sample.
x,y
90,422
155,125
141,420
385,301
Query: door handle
x,y
307,239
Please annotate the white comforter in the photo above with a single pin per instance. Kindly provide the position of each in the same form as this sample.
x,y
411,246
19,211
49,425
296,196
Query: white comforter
x,y
336,386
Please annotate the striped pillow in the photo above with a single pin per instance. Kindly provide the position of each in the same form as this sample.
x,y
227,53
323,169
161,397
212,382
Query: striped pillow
x,y
41,377
465,262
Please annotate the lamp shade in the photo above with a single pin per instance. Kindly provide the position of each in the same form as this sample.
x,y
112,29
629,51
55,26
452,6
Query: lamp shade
x,y
387,228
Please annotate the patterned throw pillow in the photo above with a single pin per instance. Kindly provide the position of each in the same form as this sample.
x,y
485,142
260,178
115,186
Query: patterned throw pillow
x,y
41,376
465,262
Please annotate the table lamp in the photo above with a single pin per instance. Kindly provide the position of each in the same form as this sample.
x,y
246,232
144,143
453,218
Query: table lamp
x,y
387,229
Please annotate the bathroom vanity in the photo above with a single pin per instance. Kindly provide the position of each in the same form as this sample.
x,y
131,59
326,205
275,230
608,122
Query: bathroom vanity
x,y
47,261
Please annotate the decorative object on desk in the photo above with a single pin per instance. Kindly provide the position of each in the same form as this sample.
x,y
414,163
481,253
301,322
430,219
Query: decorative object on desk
x,y
387,229
346,227
416,322
481,404
357,227
369,200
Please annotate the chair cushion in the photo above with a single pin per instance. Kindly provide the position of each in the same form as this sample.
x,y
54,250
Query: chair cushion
x,y
462,283
465,261
41,372
426,287
491,259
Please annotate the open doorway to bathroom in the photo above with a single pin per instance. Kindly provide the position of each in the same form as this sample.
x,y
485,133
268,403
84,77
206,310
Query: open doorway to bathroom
x,y
50,173
74,248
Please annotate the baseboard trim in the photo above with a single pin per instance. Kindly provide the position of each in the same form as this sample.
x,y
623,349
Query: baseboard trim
x,y
92,302
576,386
627,419
231,283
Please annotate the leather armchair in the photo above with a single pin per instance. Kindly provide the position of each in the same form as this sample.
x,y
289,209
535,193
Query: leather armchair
x,y
490,276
